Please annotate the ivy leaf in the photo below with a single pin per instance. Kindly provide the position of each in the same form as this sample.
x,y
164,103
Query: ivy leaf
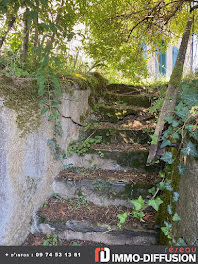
x,y
175,123
138,204
155,203
176,217
169,209
162,174
175,197
152,190
167,133
180,242
182,111
166,185
169,119
122,217
190,150
166,230
182,169
168,157
154,139
165,143
138,214
175,136
167,224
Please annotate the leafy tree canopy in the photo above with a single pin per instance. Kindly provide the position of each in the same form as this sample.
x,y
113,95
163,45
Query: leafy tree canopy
x,y
117,29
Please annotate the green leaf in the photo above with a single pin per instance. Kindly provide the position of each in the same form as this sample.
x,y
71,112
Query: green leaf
x,y
175,136
175,123
190,150
176,217
175,197
182,111
165,143
169,119
138,204
152,190
122,217
138,214
51,117
180,242
166,230
155,203
167,224
44,110
168,157
165,185
169,209
46,243
182,169
168,185
154,139
162,174
41,91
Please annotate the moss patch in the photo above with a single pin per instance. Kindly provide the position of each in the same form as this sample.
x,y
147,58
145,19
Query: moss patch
x,y
172,174
21,95
135,100
176,76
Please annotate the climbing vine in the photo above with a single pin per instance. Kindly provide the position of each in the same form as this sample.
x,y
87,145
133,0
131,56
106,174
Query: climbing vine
x,y
180,140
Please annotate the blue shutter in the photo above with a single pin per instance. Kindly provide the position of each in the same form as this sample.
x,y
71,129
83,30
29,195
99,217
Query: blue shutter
x,y
175,53
163,63
160,63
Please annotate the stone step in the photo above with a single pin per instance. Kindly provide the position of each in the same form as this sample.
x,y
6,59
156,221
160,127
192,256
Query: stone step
x,y
125,89
104,187
114,113
38,239
143,100
131,156
82,220
114,135
114,157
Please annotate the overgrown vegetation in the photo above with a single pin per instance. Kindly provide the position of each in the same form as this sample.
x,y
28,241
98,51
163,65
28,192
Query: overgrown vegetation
x,y
180,140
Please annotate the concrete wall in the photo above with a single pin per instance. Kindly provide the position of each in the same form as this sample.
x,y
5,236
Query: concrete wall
x,y
27,168
169,60
188,204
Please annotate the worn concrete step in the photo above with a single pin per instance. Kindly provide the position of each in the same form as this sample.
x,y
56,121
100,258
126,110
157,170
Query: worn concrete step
x,y
115,135
125,155
125,89
38,239
113,113
82,220
104,187
114,157
143,100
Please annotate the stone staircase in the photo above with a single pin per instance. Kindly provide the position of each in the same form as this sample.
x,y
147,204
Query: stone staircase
x,y
101,184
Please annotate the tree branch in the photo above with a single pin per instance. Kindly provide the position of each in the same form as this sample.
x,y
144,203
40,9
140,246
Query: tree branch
x,y
10,25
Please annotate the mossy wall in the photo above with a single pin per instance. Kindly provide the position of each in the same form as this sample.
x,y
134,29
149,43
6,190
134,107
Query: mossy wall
x,y
172,174
27,167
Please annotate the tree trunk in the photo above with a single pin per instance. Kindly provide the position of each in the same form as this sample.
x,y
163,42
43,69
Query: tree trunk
x,y
10,25
25,38
172,91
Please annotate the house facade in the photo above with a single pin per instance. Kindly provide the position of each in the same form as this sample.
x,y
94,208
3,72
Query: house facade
x,y
161,64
